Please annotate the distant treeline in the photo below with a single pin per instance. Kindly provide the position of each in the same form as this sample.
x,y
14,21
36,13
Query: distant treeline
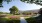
x,y
4,13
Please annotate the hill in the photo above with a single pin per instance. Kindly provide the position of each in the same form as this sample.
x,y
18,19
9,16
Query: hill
x,y
37,10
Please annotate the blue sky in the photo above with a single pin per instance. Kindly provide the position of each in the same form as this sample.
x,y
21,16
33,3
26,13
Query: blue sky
x,y
20,5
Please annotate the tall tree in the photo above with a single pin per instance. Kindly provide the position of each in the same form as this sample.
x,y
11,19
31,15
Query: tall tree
x,y
13,10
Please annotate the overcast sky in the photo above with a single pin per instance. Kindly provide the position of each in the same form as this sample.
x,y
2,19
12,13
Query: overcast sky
x,y
20,5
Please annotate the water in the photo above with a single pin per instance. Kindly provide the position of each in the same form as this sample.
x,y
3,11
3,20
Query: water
x,y
22,20
36,15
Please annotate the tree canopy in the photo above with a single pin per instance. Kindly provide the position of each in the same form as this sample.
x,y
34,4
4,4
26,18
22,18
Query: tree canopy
x,y
39,2
13,10
1,1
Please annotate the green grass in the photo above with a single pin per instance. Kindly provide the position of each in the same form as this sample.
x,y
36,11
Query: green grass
x,y
8,20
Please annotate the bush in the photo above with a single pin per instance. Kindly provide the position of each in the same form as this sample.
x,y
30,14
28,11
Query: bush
x,y
31,20
17,14
13,21
4,20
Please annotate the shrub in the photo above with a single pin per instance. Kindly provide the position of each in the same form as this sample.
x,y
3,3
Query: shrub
x,y
31,20
4,20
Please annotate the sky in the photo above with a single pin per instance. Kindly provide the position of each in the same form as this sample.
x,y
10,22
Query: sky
x,y
20,5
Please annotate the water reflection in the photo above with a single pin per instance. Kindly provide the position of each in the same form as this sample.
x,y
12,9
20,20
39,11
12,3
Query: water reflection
x,y
22,20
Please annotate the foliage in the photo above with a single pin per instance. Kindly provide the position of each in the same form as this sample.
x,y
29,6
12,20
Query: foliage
x,y
4,20
1,12
40,16
36,19
31,20
13,21
26,13
13,10
1,1
5,0
39,2
40,11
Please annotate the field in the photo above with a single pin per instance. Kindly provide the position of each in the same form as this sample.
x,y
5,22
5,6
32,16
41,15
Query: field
x,y
16,16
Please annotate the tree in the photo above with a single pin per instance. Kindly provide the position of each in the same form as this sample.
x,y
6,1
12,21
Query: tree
x,y
26,13
39,2
1,1
1,12
40,11
40,16
13,10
